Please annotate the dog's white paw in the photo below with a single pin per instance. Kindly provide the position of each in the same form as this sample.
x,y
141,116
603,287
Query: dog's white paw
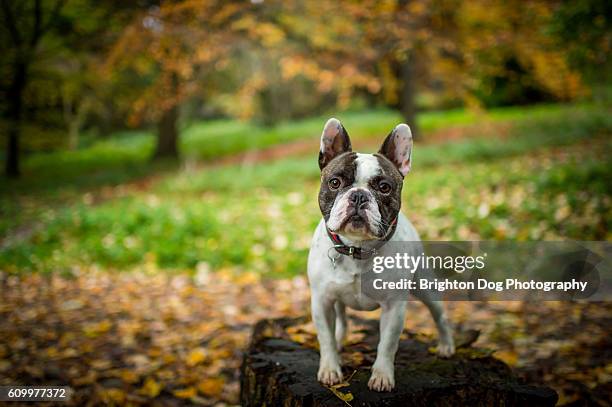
x,y
330,374
446,349
381,380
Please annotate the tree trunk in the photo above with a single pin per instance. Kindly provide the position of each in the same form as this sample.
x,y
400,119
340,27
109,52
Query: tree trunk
x,y
14,116
12,154
75,110
73,134
408,93
278,371
167,134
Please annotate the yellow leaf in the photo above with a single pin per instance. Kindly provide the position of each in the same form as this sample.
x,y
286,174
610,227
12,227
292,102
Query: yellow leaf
x,y
129,376
196,356
211,387
187,393
506,356
299,338
113,396
95,329
247,278
151,388
346,397
221,353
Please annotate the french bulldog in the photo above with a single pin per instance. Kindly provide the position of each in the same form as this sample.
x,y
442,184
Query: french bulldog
x,y
360,199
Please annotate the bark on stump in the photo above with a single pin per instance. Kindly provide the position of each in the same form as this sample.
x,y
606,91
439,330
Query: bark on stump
x,y
278,371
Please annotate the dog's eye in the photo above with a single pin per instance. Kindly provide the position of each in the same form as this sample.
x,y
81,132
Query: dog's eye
x,y
334,183
384,187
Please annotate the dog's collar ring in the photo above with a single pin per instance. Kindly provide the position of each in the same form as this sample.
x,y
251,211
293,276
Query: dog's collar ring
x,y
332,258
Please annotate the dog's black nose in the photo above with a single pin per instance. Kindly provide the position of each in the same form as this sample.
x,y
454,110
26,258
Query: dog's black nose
x,y
358,198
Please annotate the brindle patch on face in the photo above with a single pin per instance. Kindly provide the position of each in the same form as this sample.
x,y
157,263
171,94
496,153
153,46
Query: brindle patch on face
x,y
342,167
389,204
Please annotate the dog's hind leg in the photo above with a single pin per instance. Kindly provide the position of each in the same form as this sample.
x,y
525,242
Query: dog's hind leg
x,y
340,324
446,343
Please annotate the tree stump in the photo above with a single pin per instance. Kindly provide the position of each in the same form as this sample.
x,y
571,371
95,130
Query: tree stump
x,y
277,370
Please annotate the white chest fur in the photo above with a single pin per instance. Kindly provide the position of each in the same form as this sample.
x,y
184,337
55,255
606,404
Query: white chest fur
x,y
342,282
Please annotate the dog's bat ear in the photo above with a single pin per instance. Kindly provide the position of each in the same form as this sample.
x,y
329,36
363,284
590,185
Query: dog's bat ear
x,y
334,141
397,147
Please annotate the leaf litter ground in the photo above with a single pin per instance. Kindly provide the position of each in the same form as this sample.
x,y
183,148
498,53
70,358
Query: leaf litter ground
x,y
166,339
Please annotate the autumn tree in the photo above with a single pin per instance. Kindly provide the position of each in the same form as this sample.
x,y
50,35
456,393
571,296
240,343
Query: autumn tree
x,y
348,48
315,43
397,33
583,28
464,46
89,29
177,48
398,49
493,35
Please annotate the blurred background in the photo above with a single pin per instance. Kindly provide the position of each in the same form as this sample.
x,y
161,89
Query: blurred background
x,y
161,155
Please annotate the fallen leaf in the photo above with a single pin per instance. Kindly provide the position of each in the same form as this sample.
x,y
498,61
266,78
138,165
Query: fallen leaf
x,y
196,356
151,388
112,396
346,397
507,356
186,393
211,387
96,329
101,364
129,376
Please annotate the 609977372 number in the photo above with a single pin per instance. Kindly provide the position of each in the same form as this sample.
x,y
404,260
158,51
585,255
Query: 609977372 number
x,y
35,393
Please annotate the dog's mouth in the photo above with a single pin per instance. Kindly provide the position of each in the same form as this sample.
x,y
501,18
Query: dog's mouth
x,y
356,218
357,224
357,221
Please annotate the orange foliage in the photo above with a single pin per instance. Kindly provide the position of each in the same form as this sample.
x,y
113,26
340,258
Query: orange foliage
x,y
339,46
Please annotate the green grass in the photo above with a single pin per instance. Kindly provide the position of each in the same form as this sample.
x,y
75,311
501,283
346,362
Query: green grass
x,y
544,177
528,134
64,176
224,137
125,155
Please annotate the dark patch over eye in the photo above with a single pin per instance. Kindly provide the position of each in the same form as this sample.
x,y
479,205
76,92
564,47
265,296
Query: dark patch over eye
x,y
384,187
334,183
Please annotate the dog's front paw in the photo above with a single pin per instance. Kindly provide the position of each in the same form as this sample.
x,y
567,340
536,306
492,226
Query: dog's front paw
x,y
446,348
381,380
330,374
